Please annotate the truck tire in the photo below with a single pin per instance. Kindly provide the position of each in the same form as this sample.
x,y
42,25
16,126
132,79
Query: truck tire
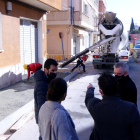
x,y
100,66
95,66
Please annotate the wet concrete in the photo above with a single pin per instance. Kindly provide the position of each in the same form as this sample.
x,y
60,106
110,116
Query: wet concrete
x,y
17,95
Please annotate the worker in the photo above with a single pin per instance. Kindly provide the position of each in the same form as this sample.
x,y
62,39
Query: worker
x,y
33,67
80,62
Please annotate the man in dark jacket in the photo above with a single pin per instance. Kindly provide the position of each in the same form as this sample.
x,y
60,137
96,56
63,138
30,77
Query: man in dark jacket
x,y
80,62
42,80
114,118
127,89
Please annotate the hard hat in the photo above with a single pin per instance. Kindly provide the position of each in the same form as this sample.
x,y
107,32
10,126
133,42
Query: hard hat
x,y
25,66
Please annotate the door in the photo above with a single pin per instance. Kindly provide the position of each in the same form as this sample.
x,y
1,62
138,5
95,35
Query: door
x,y
28,43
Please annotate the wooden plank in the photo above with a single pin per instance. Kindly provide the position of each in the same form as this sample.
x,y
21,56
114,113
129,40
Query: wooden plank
x,y
4,137
10,120
26,117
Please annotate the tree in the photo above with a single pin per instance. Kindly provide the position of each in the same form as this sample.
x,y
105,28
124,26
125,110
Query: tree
x,y
135,31
132,25
139,29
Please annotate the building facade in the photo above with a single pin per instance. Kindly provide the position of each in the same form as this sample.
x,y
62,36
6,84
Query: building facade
x,y
102,7
71,29
22,36
135,39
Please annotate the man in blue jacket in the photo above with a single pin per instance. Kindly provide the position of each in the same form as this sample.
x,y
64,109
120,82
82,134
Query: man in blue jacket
x,y
42,80
114,118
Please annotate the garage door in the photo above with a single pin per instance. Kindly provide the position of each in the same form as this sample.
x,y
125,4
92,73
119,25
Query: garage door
x,y
28,43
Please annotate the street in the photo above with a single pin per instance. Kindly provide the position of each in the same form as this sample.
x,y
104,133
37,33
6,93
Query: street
x,y
17,95
75,105
98,33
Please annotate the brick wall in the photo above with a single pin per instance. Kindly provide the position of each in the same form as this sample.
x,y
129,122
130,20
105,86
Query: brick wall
x,y
102,7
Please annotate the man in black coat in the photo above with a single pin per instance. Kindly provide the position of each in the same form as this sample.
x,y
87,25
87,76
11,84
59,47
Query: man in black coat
x,y
114,118
42,80
80,63
127,89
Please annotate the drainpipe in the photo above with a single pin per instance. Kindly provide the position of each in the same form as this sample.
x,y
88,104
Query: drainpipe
x,y
71,18
61,36
68,31
72,12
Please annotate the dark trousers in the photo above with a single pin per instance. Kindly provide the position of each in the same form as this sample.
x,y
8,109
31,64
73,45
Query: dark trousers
x,y
39,68
40,138
79,63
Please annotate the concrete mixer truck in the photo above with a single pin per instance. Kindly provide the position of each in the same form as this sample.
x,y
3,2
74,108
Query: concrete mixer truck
x,y
107,51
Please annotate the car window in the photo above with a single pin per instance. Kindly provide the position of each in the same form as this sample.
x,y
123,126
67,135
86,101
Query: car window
x,y
138,46
124,48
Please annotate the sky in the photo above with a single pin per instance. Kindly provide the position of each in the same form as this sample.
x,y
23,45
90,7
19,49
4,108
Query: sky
x,y
125,10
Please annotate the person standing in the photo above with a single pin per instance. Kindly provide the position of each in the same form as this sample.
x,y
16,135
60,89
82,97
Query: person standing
x,y
114,118
33,67
127,89
42,80
55,123
80,62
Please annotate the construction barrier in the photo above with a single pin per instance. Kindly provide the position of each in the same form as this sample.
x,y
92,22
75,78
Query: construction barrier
x,y
60,58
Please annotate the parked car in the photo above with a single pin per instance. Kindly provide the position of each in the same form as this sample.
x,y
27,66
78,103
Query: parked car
x,y
124,54
132,50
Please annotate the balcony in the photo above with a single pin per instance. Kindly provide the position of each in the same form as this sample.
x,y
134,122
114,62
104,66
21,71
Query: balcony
x,y
85,18
58,16
47,5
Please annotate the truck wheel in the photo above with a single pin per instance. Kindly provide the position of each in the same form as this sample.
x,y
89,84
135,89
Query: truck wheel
x,y
95,66
103,65
100,66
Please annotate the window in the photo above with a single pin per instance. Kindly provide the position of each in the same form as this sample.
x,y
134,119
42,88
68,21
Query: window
x,y
0,33
85,8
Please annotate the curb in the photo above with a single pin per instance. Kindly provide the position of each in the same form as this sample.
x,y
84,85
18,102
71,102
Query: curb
x,y
70,76
11,119
6,123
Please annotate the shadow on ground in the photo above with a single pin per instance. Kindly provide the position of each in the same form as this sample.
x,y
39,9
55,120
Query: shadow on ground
x,y
17,95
